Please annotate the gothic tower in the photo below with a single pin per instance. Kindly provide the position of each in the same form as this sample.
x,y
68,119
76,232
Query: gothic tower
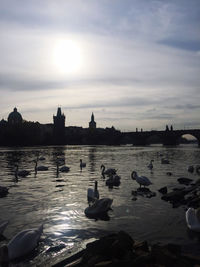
x,y
92,123
59,127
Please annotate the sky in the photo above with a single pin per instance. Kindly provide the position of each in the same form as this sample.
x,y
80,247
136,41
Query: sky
x,y
133,63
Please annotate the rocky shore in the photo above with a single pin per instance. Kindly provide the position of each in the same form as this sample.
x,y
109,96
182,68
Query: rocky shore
x,y
120,249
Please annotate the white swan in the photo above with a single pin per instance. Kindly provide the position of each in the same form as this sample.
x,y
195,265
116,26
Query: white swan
x,y
82,164
100,206
141,180
108,172
113,180
21,244
93,194
3,226
150,166
193,219
22,173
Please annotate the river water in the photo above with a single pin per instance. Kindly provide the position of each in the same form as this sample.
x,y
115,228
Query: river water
x,y
59,202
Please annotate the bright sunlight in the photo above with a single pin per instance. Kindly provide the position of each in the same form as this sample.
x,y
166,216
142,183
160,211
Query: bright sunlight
x,y
67,57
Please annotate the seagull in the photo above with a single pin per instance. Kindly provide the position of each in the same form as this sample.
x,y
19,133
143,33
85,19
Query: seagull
x,y
141,180
21,244
108,172
93,194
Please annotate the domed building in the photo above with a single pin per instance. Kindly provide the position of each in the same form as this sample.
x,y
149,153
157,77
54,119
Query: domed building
x,y
15,117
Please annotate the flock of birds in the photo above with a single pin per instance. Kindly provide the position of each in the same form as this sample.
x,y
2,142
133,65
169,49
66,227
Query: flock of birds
x,y
25,241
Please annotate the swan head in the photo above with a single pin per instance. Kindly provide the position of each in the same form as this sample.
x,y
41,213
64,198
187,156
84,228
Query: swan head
x,y
102,166
133,175
4,256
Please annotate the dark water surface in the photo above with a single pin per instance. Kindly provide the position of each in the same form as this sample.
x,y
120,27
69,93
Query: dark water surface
x,y
59,202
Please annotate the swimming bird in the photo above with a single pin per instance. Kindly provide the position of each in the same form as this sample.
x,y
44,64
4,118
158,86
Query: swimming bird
x,y
193,219
22,173
93,194
113,180
62,169
141,180
164,161
41,158
82,164
21,244
108,172
150,166
99,207
40,168
3,191
191,168
3,226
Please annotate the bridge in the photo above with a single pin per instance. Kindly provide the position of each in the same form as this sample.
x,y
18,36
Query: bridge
x,y
167,137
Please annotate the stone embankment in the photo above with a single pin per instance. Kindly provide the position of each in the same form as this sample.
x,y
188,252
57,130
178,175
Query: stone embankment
x,y
119,249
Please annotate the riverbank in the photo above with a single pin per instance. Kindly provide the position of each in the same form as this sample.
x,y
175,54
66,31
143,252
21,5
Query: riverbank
x,y
120,249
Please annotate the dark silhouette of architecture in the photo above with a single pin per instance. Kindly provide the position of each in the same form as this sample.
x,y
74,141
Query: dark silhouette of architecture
x,y
59,127
15,117
19,132
92,123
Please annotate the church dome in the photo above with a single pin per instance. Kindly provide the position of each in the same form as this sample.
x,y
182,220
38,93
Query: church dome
x,y
14,117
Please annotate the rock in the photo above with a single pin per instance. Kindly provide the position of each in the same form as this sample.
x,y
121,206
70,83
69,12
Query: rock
x,y
163,190
184,180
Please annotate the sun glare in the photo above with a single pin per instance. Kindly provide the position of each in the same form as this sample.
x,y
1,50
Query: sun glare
x,y
67,57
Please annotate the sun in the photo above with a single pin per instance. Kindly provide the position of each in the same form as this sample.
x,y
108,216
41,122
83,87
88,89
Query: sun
x,y
67,57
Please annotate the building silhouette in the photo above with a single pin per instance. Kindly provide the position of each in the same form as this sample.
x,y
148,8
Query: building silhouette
x,y
92,123
59,127
15,117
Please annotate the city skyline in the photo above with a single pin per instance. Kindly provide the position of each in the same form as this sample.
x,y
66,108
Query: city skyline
x,y
135,64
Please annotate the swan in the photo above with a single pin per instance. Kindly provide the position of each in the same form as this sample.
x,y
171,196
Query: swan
x,y
3,226
99,207
113,180
93,194
41,158
150,166
40,168
3,191
141,180
108,172
191,168
164,161
22,173
62,169
193,219
82,164
21,244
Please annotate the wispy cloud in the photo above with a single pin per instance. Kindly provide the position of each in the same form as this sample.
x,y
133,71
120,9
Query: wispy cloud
x,y
140,61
